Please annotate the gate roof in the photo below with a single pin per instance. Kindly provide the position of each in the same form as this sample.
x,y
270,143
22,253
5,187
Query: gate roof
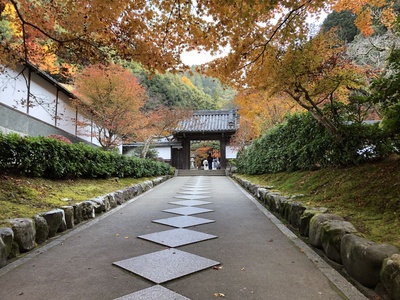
x,y
210,121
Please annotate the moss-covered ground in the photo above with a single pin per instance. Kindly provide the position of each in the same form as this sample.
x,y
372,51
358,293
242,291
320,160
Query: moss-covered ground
x,y
23,197
367,195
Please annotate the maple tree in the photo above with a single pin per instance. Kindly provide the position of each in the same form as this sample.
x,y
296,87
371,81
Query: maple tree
x,y
157,123
156,33
262,36
315,75
113,97
202,149
259,112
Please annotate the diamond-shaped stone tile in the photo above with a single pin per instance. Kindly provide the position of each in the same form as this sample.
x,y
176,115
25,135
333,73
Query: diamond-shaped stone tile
x,y
190,202
196,186
193,192
188,210
192,197
195,189
165,265
156,292
177,237
183,221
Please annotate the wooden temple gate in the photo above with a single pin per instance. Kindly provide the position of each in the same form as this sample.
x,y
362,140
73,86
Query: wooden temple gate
x,y
204,125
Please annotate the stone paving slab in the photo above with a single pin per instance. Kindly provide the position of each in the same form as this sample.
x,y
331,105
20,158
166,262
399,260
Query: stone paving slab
x,y
183,221
190,202
177,237
194,192
192,197
166,265
156,292
188,210
195,189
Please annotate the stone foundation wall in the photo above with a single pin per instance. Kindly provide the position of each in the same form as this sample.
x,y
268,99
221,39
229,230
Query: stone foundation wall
x,y
22,235
375,266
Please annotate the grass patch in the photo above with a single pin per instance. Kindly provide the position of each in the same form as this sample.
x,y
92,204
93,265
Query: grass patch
x,y
367,196
22,197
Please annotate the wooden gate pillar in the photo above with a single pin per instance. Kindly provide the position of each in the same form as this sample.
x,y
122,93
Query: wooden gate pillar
x,y
186,153
222,151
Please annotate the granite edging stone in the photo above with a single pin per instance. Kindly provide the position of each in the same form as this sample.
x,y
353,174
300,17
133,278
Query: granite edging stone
x,y
25,234
375,266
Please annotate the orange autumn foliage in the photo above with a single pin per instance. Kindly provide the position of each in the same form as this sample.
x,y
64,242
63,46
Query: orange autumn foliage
x,y
112,96
155,124
259,112
156,33
364,9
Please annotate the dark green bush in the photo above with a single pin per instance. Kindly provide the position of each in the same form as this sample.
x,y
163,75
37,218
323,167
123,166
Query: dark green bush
x,y
51,158
301,143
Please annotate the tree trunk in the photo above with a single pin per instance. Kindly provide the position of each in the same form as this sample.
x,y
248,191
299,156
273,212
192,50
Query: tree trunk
x,y
146,146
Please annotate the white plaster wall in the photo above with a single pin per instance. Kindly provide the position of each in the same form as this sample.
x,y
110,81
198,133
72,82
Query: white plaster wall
x,y
42,99
66,114
44,103
230,153
84,128
13,90
164,152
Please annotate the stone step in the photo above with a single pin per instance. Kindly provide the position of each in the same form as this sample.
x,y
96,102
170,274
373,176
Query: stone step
x,y
201,173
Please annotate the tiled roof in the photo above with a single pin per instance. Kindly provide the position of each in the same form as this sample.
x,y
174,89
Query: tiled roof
x,y
210,121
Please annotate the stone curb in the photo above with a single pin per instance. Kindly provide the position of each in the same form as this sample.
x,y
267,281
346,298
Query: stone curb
x,y
24,235
372,265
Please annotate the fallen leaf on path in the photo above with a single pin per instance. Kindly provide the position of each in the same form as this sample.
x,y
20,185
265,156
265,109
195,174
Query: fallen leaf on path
x,y
219,295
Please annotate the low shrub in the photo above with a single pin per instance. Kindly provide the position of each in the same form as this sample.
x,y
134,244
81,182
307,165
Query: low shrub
x,y
301,143
53,158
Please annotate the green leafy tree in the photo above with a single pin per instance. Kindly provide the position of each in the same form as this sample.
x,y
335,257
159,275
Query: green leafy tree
x,y
343,22
223,95
386,93
315,75
171,91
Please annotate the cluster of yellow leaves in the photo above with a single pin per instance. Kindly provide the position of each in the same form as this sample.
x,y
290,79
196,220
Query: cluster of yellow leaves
x,y
222,295
13,21
259,111
188,82
364,9
307,75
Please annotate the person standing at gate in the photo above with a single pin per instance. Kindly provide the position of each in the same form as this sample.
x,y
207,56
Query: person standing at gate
x,y
205,164
210,161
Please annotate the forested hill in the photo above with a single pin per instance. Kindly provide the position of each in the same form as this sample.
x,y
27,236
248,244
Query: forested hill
x,y
193,91
213,87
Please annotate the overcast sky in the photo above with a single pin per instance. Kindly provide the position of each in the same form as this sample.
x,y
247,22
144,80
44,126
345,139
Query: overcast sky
x,y
195,58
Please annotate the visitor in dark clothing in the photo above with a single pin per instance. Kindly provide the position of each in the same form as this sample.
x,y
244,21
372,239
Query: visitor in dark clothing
x,y
210,160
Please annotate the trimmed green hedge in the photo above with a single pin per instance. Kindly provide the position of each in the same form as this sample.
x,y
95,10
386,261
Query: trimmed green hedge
x,y
300,143
51,158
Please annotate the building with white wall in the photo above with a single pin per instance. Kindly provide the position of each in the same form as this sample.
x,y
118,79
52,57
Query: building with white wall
x,y
34,104
203,125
